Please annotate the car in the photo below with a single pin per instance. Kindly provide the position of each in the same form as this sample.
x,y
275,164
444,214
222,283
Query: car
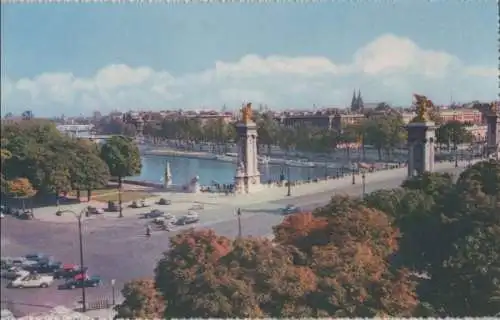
x,y
197,206
155,213
36,256
26,215
290,209
8,262
139,204
14,273
2,215
191,217
45,267
164,202
68,271
89,282
113,206
32,281
93,210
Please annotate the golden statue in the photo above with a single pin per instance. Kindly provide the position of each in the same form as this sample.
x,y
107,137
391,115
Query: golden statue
x,y
246,113
423,105
494,107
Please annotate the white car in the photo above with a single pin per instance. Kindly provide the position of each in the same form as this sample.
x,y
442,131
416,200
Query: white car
x,y
32,281
2,216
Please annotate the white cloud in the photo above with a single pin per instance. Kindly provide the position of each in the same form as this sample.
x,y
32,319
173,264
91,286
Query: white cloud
x,y
389,68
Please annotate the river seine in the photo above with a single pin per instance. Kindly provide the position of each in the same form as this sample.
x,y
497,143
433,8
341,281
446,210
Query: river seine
x,y
212,171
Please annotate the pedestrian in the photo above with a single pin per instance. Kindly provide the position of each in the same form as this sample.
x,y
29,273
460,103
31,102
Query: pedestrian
x,y
148,230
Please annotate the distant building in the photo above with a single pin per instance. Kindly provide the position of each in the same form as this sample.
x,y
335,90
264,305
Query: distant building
x,y
463,115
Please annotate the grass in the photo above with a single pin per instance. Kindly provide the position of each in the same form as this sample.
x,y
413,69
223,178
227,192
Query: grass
x,y
97,192
127,196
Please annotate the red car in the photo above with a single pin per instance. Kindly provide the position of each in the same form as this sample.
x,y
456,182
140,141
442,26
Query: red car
x,y
69,271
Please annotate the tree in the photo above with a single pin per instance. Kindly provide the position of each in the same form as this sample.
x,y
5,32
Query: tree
x,y
89,171
27,115
181,275
142,301
21,188
453,132
122,156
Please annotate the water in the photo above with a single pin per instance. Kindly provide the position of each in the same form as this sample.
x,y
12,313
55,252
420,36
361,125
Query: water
x,y
210,171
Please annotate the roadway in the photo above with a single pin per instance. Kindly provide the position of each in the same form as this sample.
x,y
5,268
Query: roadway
x,y
118,249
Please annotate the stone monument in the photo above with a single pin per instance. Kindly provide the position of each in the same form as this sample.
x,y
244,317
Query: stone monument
x,y
493,131
247,179
421,139
167,178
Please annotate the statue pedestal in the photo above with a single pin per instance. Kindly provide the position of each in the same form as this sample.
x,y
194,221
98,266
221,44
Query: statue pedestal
x,y
421,142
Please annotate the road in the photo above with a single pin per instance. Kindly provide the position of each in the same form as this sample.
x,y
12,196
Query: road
x,y
118,249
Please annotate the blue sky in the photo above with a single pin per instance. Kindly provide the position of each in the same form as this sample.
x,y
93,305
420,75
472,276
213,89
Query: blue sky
x,y
76,58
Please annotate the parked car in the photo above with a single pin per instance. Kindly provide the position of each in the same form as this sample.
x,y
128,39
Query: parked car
x,y
191,217
68,271
36,256
93,210
291,209
139,204
113,206
164,202
94,281
197,206
32,281
154,213
14,273
26,215
2,216
45,267
8,262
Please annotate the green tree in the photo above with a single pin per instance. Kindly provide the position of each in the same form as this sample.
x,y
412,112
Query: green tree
x,y
122,156
453,132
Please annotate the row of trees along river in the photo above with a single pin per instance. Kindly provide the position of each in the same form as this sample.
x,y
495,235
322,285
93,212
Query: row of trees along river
x,y
382,132
38,160
430,248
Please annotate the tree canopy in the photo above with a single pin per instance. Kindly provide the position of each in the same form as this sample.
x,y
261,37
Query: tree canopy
x,y
34,150
429,248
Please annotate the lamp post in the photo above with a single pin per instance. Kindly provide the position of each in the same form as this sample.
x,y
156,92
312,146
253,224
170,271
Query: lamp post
x,y
120,200
238,214
363,180
353,176
79,217
288,181
113,281
456,155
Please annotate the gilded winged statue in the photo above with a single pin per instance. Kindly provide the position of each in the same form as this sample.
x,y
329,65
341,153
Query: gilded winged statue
x,y
494,107
423,105
246,113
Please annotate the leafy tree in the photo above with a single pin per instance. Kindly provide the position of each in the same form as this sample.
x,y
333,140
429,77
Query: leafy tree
x,y
182,273
27,115
21,188
122,156
453,132
142,301
89,171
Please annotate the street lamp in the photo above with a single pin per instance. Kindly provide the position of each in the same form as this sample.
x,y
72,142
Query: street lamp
x,y
288,181
120,201
456,155
113,281
353,176
79,217
363,180
238,214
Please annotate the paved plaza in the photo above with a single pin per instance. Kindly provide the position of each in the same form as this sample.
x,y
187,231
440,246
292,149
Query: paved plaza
x,y
117,248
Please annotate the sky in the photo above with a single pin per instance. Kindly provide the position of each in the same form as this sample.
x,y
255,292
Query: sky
x,y
74,59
